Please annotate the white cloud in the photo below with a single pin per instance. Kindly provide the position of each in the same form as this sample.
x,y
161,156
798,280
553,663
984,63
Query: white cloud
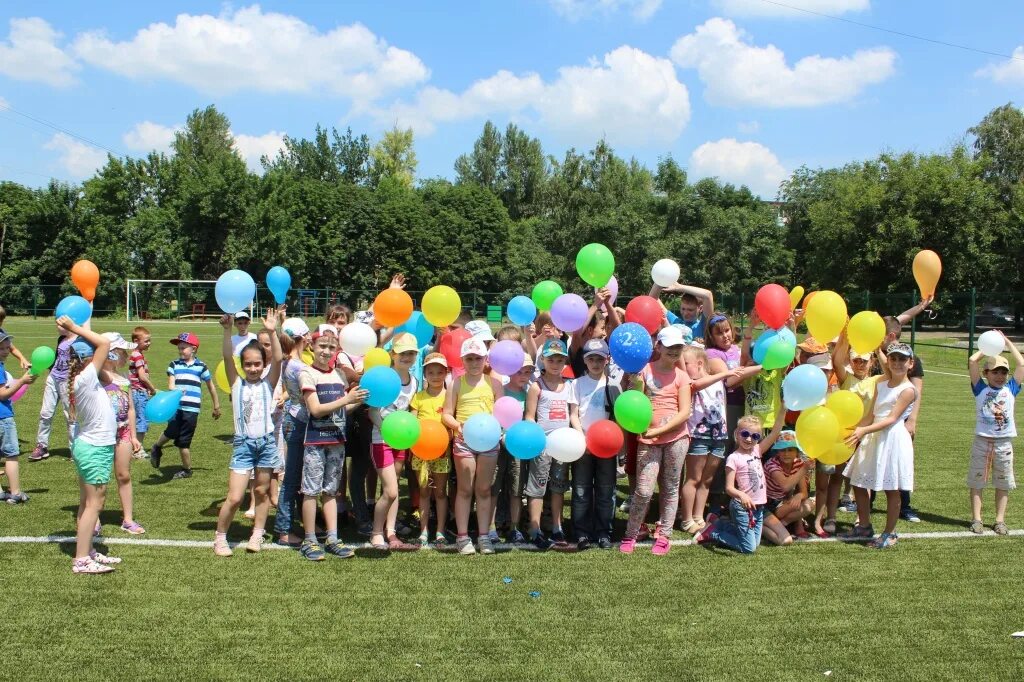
x,y
737,73
30,53
630,96
148,136
574,10
758,8
741,163
80,160
1010,72
749,127
252,147
248,49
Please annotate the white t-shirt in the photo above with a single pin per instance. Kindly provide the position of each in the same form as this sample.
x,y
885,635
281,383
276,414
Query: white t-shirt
x,y
995,408
252,405
95,421
592,400
239,341
401,403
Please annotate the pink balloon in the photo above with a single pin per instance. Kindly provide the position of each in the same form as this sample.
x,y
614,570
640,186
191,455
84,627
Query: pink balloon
x,y
20,392
506,357
569,312
613,288
508,411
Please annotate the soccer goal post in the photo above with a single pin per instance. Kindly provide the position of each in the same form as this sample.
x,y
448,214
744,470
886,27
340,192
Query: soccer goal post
x,y
170,299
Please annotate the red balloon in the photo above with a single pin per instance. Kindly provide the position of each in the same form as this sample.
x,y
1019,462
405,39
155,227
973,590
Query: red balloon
x,y
451,347
605,439
772,305
647,312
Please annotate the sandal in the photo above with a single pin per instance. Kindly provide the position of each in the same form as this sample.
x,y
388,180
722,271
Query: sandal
x,y
977,527
691,526
396,544
884,541
829,526
1001,529
859,532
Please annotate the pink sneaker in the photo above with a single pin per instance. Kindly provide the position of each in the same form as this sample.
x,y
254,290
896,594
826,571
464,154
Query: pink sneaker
x,y
221,548
627,545
704,536
661,546
104,559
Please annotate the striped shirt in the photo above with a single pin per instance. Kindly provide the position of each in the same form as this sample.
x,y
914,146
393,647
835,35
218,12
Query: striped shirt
x,y
776,491
189,378
136,361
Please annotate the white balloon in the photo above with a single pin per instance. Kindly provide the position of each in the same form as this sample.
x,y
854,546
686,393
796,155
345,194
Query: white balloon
x,y
357,338
665,272
566,444
991,343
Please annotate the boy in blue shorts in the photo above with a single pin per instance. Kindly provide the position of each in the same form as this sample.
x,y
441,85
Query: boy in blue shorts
x,y
8,432
186,374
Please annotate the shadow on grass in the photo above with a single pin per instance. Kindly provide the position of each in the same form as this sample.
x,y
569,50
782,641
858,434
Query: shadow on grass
x,y
237,530
36,491
166,474
224,438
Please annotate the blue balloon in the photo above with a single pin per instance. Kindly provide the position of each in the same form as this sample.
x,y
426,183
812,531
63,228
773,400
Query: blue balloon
x,y
279,281
767,338
631,347
418,326
235,291
805,386
525,440
162,406
481,432
521,310
787,335
75,307
384,385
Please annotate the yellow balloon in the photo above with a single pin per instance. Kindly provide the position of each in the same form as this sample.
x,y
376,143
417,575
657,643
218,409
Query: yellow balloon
x,y
847,407
376,357
837,454
441,306
220,375
866,331
307,356
817,430
795,296
826,315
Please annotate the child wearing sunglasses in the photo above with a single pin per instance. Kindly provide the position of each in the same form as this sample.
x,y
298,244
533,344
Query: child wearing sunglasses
x,y
745,484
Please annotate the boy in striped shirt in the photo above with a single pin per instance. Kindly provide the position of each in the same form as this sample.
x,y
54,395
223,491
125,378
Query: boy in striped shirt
x,y
186,374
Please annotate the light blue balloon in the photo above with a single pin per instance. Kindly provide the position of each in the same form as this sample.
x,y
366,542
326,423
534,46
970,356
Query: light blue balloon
x,y
418,326
525,440
162,406
787,335
279,281
521,310
761,345
481,432
75,307
804,387
384,385
631,346
235,291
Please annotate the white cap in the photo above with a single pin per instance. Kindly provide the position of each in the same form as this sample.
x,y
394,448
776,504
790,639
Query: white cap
x,y
118,342
480,330
295,327
242,315
473,346
670,336
821,361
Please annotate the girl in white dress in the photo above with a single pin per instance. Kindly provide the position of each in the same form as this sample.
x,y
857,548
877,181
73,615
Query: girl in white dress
x,y
884,459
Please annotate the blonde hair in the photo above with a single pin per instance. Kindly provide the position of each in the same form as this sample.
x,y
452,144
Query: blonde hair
x,y
287,343
138,333
697,353
509,332
750,421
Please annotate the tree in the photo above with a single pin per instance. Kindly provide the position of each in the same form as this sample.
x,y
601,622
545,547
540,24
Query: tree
x,y
394,157
999,143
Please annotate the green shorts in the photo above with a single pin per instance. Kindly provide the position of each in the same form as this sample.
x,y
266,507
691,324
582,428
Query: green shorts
x,y
94,462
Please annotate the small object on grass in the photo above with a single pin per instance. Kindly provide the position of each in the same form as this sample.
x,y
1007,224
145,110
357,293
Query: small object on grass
x,y
507,580
535,594
1018,634
827,673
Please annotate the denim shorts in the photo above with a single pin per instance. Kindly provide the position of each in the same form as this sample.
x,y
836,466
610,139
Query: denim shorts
x,y
708,446
140,399
254,453
8,438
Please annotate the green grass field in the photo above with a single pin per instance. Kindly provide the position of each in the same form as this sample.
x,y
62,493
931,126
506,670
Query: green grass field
x,y
927,609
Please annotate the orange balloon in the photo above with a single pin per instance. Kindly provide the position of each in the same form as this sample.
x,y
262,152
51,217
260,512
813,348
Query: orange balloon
x,y
86,277
927,270
392,308
433,440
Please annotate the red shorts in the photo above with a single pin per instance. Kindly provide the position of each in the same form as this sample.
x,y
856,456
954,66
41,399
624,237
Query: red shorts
x,y
384,455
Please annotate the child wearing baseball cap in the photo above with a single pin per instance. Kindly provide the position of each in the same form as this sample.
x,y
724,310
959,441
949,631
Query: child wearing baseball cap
x,y
186,374
428,405
995,393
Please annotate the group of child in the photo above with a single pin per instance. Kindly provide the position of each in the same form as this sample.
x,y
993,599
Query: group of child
x,y
302,430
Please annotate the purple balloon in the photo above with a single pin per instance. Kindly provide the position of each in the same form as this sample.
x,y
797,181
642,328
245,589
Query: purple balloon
x,y
508,411
506,357
570,312
613,289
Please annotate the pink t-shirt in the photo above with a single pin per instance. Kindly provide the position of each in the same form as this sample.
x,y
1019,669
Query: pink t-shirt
x,y
663,390
749,474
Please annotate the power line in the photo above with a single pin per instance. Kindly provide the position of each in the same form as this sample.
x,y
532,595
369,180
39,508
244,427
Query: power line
x,y
4,106
894,32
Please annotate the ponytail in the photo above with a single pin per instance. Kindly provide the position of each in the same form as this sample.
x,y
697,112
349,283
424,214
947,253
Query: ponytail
x,y
75,367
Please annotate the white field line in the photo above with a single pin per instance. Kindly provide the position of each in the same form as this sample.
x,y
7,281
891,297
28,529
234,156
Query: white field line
x,y
204,544
948,374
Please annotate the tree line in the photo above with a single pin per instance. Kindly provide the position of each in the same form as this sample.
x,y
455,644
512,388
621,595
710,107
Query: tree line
x,y
342,212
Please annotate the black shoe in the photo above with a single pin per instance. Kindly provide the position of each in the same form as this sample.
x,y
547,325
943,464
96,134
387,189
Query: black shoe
x,y
540,542
604,543
184,473
909,514
155,453
583,544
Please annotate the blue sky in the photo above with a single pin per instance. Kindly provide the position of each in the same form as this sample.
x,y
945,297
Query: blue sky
x,y
742,89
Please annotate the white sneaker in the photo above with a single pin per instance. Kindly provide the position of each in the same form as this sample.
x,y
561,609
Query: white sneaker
x,y
624,507
465,546
255,543
104,559
221,548
88,566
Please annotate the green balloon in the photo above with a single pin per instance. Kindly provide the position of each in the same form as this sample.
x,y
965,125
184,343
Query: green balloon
x,y
779,354
545,293
400,430
42,359
633,411
596,264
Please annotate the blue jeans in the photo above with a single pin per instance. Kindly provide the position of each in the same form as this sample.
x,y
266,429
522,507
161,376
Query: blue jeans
x,y
287,499
593,496
140,400
736,532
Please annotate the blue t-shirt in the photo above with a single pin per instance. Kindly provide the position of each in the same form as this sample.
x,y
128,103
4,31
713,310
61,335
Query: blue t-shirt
x,y
697,326
5,405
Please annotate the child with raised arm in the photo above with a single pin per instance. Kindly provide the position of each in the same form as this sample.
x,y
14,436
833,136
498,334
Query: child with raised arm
x,y
695,305
995,394
254,444
745,484
9,449
428,405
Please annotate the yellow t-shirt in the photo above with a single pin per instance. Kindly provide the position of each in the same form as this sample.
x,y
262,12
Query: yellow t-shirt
x,y
763,394
426,406
473,399
864,388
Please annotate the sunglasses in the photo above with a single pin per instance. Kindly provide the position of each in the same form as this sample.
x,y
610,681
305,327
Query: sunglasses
x,y
748,435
